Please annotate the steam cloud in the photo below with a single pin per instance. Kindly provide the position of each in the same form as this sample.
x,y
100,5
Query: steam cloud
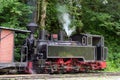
x,y
64,19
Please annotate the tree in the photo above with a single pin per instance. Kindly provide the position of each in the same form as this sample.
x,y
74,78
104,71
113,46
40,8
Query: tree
x,y
41,8
13,13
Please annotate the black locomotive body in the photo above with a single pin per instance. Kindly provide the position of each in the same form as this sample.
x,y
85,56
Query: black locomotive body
x,y
54,53
51,53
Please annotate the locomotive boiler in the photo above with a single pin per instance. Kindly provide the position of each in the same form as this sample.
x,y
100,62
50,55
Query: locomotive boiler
x,y
52,53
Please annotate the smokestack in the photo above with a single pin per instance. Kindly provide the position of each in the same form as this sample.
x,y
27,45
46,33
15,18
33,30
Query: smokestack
x,y
32,27
43,34
61,35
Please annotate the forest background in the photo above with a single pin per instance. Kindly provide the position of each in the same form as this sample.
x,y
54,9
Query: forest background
x,y
100,17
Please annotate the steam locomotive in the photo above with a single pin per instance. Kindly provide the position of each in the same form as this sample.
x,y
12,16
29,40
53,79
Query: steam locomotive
x,y
56,53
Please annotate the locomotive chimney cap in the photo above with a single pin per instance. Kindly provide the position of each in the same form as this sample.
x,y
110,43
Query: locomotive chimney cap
x,y
32,27
32,24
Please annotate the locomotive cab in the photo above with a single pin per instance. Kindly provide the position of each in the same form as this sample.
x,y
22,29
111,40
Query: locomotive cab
x,y
93,40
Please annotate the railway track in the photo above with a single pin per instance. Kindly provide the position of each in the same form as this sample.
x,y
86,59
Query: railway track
x,y
51,76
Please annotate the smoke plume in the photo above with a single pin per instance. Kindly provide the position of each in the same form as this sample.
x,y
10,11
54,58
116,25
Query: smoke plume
x,y
64,19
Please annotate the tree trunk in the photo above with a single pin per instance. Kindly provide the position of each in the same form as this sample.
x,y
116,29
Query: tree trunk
x,y
42,4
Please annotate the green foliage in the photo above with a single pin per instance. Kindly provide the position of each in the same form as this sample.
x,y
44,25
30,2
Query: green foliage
x,y
13,13
113,62
52,23
19,40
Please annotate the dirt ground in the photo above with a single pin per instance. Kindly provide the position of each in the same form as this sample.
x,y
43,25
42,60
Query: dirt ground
x,y
101,76
88,78
71,78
